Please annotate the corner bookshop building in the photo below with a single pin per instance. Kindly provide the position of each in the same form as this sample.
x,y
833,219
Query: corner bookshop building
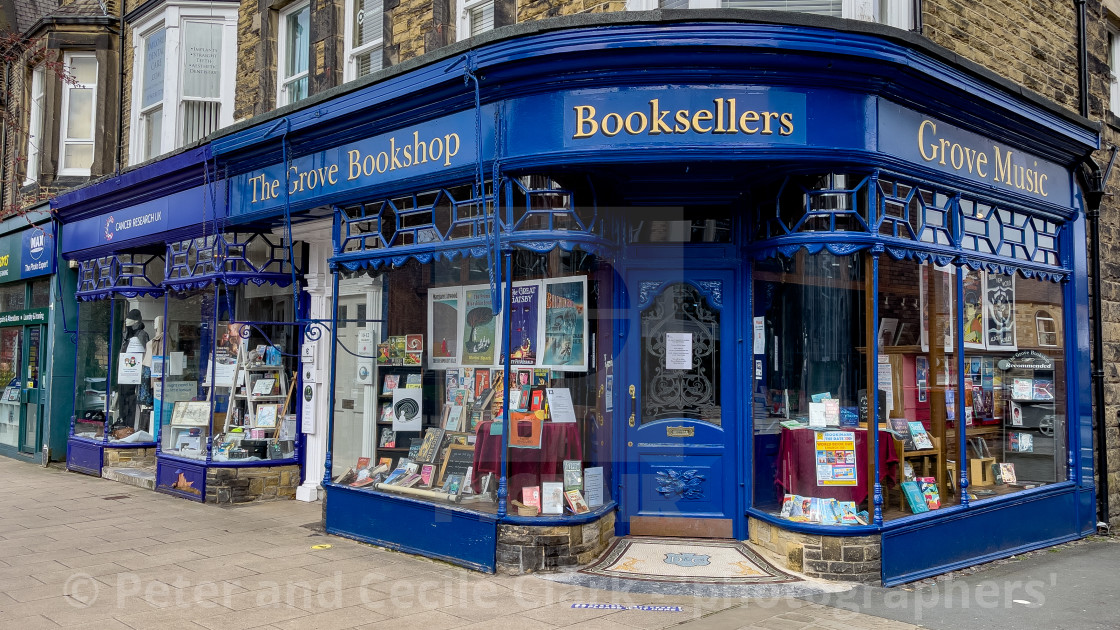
x,y
813,284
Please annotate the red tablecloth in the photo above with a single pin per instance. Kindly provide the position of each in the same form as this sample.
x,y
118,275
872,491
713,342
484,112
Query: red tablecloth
x,y
527,466
797,468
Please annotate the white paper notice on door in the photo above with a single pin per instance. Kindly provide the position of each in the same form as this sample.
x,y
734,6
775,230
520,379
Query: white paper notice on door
x,y
759,335
678,351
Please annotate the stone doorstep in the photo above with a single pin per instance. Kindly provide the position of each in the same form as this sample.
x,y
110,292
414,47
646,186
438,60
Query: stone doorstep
x,y
139,477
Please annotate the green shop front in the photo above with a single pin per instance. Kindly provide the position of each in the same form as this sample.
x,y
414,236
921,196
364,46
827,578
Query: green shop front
x,y
33,341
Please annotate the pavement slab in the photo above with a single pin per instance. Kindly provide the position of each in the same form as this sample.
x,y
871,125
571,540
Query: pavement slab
x,y
80,552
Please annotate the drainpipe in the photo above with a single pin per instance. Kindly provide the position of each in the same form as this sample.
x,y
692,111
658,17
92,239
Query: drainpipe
x,y
1093,182
1082,61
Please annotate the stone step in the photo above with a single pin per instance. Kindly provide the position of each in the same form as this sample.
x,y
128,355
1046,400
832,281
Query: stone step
x,y
139,477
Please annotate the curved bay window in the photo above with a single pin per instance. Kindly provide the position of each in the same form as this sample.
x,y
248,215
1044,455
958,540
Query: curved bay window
x,y
811,403
421,388
966,355
232,343
119,357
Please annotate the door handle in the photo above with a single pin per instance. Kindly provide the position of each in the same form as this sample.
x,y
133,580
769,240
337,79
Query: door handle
x,y
633,405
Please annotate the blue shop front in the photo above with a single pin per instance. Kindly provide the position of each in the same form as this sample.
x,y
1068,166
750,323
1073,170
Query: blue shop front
x,y
35,349
186,338
595,280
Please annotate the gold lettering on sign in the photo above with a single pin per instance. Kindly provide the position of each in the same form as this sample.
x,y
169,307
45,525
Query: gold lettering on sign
x,y
680,432
974,161
722,118
396,155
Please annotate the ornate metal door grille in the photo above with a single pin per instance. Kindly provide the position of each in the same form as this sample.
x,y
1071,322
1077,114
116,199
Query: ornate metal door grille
x,y
674,394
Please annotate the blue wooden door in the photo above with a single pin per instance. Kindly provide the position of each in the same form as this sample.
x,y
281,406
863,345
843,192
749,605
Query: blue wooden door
x,y
680,403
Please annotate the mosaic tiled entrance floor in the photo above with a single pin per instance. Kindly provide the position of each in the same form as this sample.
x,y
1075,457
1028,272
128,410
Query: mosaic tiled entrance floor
x,y
683,560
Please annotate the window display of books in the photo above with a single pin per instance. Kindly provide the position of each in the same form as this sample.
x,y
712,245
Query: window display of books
x,y
804,509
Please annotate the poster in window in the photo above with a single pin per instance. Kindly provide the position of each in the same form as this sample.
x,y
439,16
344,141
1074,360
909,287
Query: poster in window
x,y
836,458
525,313
444,328
565,324
480,327
942,312
129,367
973,307
999,312
202,59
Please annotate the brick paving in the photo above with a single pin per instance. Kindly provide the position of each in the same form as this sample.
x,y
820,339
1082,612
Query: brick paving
x,y
80,552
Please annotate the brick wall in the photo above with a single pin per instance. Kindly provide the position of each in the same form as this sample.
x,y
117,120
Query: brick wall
x,y
1033,44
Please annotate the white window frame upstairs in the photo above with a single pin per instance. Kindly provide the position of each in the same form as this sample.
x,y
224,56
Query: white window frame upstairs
x,y
1114,71
173,15
154,109
64,124
36,112
463,20
351,52
1046,328
897,13
283,41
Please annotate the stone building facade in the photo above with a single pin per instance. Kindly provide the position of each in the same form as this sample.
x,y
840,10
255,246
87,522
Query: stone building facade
x,y
1035,47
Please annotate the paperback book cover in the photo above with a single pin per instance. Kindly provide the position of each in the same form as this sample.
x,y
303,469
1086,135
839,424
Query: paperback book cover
x,y
573,474
1043,389
914,497
524,314
787,506
901,428
531,495
480,328
426,472
1007,473
928,486
391,382
1022,389
920,437
575,502
450,384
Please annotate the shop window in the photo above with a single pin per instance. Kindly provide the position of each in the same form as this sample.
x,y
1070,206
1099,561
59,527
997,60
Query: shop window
x,y
1113,71
364,38
35,123
118,340
151,93
810,370
917,368
898,13
1047,329
79,118
1015,417
475,17
40,293
419,380
830,202
13,297
293,46
177,101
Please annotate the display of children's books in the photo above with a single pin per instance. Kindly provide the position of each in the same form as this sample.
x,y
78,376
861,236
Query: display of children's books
x,y
787,505
848,513
914,497
552,497
830,512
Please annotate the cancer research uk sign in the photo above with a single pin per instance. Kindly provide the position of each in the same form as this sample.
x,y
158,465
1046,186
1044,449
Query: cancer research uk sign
x,y
27,254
